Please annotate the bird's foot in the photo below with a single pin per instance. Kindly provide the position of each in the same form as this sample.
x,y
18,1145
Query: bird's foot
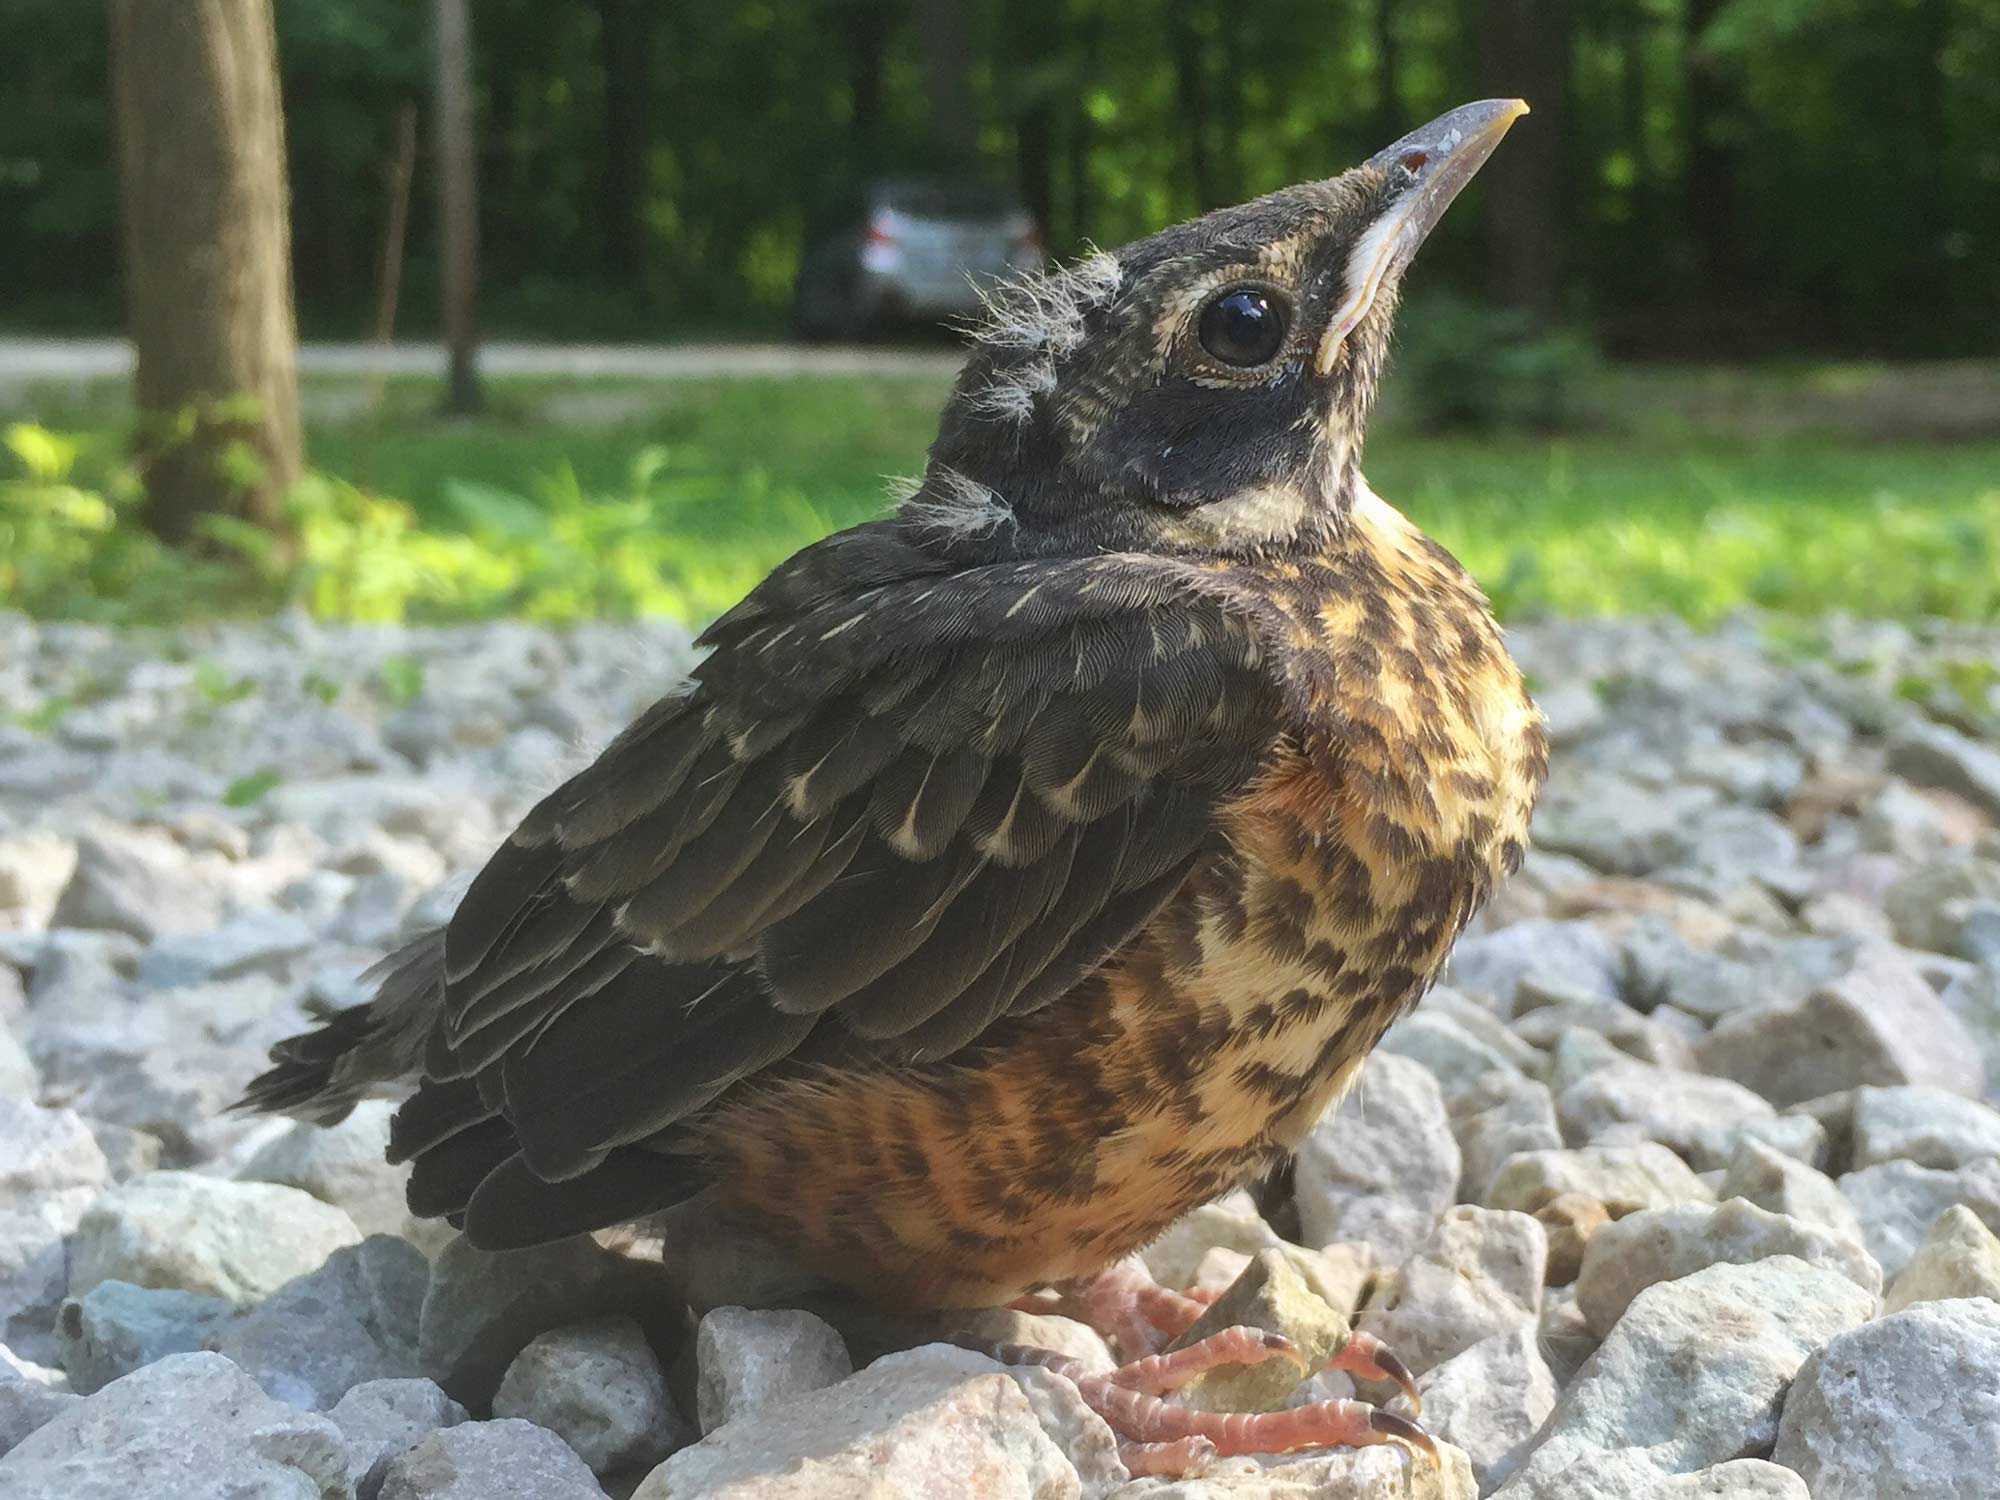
x,y
1156,1436
1126,1305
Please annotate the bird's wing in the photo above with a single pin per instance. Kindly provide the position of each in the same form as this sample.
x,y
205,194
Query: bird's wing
x,y
896,799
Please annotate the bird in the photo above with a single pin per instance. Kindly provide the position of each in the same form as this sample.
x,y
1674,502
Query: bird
x,y
1024,868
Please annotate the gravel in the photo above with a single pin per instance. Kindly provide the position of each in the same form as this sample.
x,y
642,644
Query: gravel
x,y
1686,1184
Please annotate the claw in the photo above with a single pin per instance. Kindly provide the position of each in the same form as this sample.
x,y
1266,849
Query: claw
x,y
1403,1430
1394,1369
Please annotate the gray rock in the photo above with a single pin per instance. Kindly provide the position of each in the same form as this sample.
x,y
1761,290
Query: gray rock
x,y
20,1079
1635,1035
34,1273
1880,1024
1616,825
1632,1474
1974,998
46,1151
1490,1400
1928,907
1785,1185
1624,1179
1979,936
1231,1221
934,1421
118,1328
352,1320
1933,755
1665,1244
342,1165
1905,1408
483,1308
34,868
1456,1055
51,1171
1553,961
1798,1136
192,1427
1929,1126
1960,1257
481,1460
1382,1165
1694,1116
1739,1479
1724,847
1476,1274
749,1359
1902,822
1898,1201
1499,1114
78,973
600,1389
264,940
1693,1374
236,1240
137,884
383,1419
1271,1292
27,1406
129,1153
1566,1341
1387,1472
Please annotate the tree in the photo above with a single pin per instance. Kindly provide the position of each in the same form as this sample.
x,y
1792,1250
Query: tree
x,y
946,42
625,47
207,258
458,203
1525,51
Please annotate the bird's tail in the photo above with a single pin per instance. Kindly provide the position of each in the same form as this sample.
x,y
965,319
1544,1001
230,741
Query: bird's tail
x,y
366,1051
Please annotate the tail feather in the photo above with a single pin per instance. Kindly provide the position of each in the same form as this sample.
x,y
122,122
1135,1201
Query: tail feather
x,y
364,1052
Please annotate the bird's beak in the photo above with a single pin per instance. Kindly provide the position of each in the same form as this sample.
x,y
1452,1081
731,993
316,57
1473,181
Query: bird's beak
x,y
1437,160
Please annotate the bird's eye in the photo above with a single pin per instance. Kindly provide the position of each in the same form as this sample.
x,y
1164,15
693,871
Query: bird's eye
x,y
1243,327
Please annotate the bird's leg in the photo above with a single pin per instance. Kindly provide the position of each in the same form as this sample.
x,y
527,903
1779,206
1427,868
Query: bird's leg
x,y
1156,1436
1127,1306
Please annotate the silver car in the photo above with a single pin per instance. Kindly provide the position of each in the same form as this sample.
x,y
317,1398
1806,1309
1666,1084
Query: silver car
x,y
912,249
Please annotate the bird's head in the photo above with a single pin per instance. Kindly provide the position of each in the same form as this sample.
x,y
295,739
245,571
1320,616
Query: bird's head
x,y
1206,387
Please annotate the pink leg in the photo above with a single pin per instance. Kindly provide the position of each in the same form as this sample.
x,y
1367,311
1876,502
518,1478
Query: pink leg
x,y
1157,1374
1157,1437
1125,1304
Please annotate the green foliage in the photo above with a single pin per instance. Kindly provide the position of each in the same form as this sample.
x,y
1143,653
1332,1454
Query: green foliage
x,y
1463,364
676,500
246,790
1851,200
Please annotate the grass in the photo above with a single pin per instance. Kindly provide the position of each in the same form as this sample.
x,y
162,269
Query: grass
x,y
1653,512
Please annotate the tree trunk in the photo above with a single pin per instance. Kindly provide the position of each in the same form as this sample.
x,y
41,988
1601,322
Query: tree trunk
x,y
1388,105
865,27
1191,94
1525,51
1082,137
946,42
207,258
1711,185
625,43
458,203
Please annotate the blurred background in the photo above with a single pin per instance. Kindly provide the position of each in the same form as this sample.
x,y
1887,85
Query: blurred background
x,y
606,306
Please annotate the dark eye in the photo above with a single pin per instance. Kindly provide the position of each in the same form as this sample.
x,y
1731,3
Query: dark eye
x,y
1243,327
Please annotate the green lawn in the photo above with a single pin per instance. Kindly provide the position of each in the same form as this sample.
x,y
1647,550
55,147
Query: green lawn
x,y
707,483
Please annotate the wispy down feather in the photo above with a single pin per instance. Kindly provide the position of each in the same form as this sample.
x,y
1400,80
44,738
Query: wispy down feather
x,y
1036,318
956,504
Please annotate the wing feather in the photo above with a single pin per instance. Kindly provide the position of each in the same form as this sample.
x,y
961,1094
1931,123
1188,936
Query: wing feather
x,y
899,801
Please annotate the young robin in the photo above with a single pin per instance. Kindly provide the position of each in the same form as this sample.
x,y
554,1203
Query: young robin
x,y
1019,871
